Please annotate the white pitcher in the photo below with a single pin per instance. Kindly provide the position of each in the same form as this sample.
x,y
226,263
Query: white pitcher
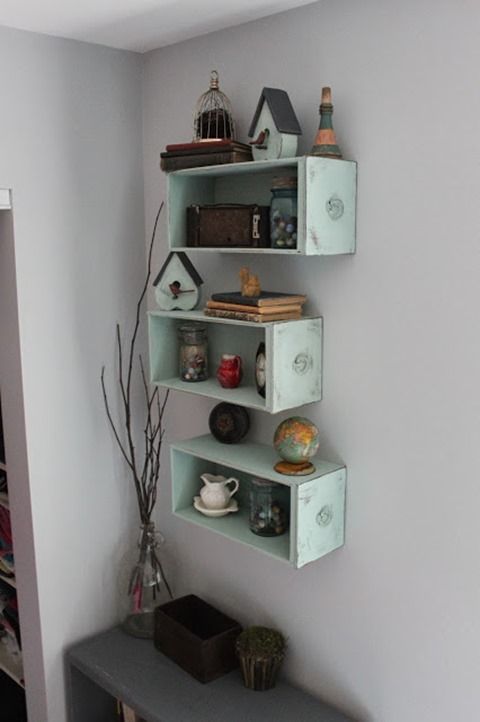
x,y
216,494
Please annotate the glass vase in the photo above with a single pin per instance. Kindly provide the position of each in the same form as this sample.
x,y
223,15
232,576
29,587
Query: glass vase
x,y
147,586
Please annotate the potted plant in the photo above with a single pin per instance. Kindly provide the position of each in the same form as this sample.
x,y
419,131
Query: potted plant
x,y
261,651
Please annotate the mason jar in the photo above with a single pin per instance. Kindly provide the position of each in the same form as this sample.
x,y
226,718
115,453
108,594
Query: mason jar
x,y
193,353
283,213
269,507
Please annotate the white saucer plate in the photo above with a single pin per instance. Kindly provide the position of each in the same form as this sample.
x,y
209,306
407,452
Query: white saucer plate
x,y
200,506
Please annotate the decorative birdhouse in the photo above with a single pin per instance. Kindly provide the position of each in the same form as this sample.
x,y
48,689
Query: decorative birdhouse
x,y
213,114
177,286
274,127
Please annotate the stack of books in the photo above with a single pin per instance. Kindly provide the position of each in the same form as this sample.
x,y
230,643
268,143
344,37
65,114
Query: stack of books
x,y
205,152
268,306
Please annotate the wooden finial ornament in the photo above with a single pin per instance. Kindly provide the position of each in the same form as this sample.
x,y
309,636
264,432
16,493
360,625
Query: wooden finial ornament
x,y
325,141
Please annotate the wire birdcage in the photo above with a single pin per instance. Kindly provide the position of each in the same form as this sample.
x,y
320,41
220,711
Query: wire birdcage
x,y
213,114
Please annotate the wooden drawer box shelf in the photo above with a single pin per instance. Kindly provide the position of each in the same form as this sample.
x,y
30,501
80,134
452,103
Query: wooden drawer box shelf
x,y
326,200
293,352
317,502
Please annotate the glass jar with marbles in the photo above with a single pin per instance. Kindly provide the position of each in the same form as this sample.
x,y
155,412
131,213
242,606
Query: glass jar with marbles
x,y
193,352
269,507
283,213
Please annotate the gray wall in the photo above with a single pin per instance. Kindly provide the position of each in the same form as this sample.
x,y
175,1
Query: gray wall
x,y
70,148
388,627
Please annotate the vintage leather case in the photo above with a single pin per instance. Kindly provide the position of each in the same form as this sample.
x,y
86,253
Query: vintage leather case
x,y
228,226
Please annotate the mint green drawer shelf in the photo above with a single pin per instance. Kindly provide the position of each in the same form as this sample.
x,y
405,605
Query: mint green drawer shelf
x,y
326,200
317,502
293,351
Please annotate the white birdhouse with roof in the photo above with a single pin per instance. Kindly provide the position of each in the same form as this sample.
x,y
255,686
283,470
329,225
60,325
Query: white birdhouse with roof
x,y
274,127
177,285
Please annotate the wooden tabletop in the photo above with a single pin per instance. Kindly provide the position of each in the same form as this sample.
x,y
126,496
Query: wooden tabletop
x,y
133,671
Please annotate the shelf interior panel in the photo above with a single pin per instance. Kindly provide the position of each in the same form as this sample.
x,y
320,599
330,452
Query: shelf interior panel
x,y
236,338
242,395
235,527
248,168
186,483
256,251
251,185
251,458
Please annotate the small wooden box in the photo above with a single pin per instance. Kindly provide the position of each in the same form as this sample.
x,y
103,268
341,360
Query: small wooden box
x,y
198,637
228,226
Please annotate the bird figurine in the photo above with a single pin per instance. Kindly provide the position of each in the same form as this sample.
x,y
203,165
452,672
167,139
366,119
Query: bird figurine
x,y
262,140
250,283
176,289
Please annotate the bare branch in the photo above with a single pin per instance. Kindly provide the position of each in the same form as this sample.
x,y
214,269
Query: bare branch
x,y
109,416
145,482
140,300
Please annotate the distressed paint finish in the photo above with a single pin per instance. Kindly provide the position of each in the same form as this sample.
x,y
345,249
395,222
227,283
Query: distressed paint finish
x,y
320,517
293,355
317,501
326,200
330,205
295,366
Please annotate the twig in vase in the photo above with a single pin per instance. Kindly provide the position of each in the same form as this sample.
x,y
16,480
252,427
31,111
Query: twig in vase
x,y
145,473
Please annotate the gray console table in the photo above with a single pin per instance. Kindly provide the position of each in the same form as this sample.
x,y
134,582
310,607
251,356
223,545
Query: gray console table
x,y
114,666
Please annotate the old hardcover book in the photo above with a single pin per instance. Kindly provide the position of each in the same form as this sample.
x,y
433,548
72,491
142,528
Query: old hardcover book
x,y
203,145
266,298
290,308
194,155
256,317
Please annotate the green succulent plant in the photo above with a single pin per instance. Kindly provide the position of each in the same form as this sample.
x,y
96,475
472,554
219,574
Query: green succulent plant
x,y
261,642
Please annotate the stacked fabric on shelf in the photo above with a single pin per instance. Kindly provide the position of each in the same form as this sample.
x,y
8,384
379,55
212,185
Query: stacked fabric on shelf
x,y
9,625
7,566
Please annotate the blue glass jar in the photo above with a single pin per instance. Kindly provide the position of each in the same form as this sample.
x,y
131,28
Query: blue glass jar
x,y
269,507
283,213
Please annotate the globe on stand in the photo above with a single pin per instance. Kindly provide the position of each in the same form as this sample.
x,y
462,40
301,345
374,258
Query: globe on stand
x,y
296,440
